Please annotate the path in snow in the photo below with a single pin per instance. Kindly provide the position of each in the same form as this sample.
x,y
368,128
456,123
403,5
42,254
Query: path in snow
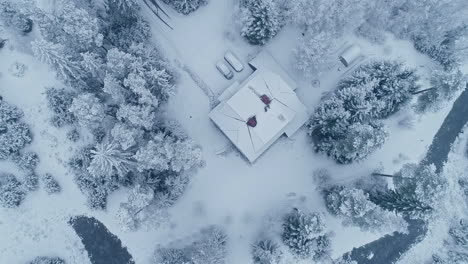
x,y
103,247
388,249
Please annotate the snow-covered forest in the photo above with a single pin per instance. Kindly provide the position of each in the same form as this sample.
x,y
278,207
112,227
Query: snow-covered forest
x,y
106,114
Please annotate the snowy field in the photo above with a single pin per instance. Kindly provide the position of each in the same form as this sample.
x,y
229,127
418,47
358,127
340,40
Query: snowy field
x,y
227,190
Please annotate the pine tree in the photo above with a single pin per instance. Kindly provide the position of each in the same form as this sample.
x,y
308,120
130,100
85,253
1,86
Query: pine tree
x,y
57,58
186,6
300,229
394,201
140,116
261,21
107,160
266,251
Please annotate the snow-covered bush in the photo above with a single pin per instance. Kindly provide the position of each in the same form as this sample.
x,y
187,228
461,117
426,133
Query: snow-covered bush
x,y
14,134
261,21
51,185
209,247
47,260
14,17
444,87
18,69
266,251
26,161
12,192
186,6
171,256
59,101
300,230
88,110
355,207
31,181
73,135
345,126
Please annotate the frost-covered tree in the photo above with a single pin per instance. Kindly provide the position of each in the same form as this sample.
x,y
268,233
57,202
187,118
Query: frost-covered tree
x,y
70,26
123,6
210,247
186,6
31,181
14,134
59,101
356,208
390,83
128,215
345,125
334,17
300,229
165,152
57,57
140,116
26,161
88,109
266,251
171,256
395,201
359,141
14,17
12,192
260,20
314,53
444,87
47,260
107,160
51,185
126,136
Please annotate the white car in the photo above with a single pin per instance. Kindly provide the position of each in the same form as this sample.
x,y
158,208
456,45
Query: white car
x,y
224,69
233,61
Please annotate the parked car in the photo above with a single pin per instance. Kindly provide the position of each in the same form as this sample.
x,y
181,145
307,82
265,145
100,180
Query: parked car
x,y
224,70
233,61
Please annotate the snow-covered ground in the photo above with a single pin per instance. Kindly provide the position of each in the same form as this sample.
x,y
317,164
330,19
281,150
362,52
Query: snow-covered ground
x,y
228,190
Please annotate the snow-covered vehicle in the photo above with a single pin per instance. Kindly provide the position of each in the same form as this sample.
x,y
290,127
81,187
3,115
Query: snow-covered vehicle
x,y
224,70
233,61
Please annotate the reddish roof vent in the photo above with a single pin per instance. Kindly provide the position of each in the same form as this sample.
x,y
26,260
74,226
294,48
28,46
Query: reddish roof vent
x,y
252,122
265,99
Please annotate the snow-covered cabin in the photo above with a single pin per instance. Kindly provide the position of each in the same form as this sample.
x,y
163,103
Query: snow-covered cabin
x,y
255,113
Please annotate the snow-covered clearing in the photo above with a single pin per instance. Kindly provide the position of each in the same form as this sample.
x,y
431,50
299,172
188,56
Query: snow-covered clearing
x,y
228,190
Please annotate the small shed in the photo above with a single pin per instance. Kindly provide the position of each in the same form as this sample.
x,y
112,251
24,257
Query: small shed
x,y
350,55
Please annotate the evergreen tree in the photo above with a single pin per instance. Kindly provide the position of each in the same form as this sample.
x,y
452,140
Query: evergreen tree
x,y
14,135
57,58
107,160
266,251
444,86
300,230
12,192
186,6
355,208
51,185
394,201
261,21
59,101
